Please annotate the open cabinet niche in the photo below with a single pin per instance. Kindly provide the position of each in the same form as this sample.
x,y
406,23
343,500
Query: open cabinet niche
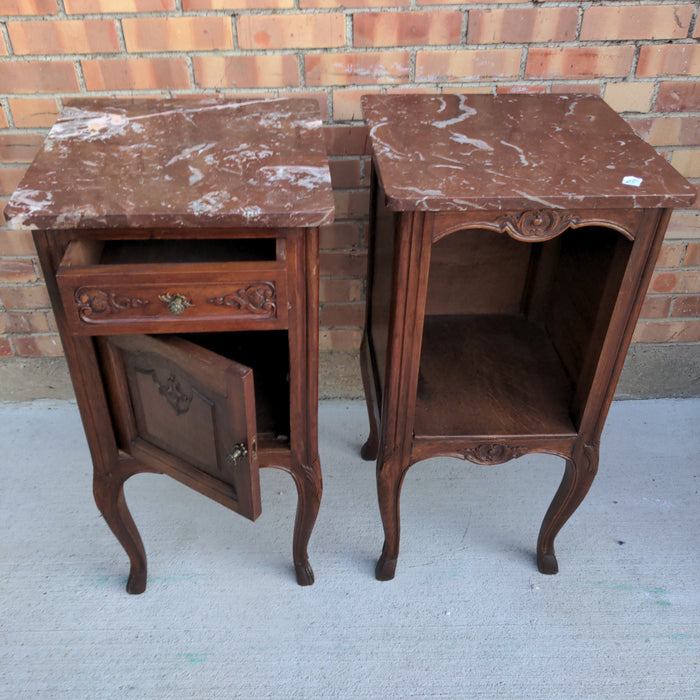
x,y
513,330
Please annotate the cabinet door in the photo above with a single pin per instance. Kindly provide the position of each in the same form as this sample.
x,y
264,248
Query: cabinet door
x,y
188,412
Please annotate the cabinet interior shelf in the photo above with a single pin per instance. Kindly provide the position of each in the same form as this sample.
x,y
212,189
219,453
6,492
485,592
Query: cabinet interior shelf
x,y
490,375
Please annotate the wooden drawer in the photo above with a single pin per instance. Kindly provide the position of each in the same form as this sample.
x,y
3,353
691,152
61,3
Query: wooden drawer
x,y
154,286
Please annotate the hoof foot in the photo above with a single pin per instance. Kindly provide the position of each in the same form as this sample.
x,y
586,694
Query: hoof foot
x,y
305,574
386,568
369,451
547,564
136,583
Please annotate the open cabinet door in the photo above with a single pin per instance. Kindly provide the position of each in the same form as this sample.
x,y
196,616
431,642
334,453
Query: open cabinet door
x,y
187,412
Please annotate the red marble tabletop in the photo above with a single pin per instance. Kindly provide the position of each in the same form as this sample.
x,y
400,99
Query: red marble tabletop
x,y
178,163
463,152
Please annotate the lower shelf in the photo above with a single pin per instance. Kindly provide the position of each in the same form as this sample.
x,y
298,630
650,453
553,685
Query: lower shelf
x,y
490,375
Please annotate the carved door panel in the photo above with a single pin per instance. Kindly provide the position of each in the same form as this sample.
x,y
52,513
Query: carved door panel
x,y
188,412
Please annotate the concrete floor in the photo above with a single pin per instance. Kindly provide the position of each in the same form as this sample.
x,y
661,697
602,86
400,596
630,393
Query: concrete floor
x,y
467,615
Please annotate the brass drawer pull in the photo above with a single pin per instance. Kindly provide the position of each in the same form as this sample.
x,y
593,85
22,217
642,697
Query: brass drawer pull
x,y
239,452
177,303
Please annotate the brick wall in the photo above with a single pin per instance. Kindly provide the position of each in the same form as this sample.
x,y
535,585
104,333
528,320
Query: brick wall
x,y
642,57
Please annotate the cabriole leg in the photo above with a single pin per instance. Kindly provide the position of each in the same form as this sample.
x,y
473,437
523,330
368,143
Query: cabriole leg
x,y
579,473
109,497
309,488
390,475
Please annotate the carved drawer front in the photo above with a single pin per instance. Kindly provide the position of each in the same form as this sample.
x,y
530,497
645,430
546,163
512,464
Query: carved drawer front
x,y
188,412
158,297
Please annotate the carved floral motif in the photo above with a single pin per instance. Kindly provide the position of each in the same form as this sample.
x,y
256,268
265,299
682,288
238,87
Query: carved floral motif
x,y
171,391
257,298
492,453
537,224
95,302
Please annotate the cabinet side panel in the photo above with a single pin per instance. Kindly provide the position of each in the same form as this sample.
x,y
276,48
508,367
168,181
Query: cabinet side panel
x,y
584,286
380,285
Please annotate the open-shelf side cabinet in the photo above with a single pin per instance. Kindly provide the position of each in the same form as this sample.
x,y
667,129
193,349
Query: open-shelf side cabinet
x,y
512,240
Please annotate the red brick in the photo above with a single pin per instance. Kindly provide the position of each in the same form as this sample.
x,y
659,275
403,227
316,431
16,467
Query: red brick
x,y
4,123
576,88
407,28
25,322
427,90
667,332
669,131
64,36
3,46
634,22
468,2
269,70
339,236
9,179
678,97
684,306
678,282
38,346
236,4
630,96
656,307
522,26
463,65
79,7
342,315
321,96
177,34
687,162
33,111
692,255
346,104
294,31
5,348
671,255
17,270
351,204
354,3
521,89
684,224
136,73
668,59
29,7
30,77
579,62
15,242
19,148
345,173
348,264
332,290
346,140
357,68
339,340
25,298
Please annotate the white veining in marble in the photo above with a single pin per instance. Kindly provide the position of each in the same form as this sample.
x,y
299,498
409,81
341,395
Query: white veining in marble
x,y
449,152
182,162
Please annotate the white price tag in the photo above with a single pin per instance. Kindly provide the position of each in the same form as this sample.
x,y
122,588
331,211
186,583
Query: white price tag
x,y
631,180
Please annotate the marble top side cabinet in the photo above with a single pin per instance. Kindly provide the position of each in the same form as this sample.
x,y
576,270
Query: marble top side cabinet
x,y
512,239
179,242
